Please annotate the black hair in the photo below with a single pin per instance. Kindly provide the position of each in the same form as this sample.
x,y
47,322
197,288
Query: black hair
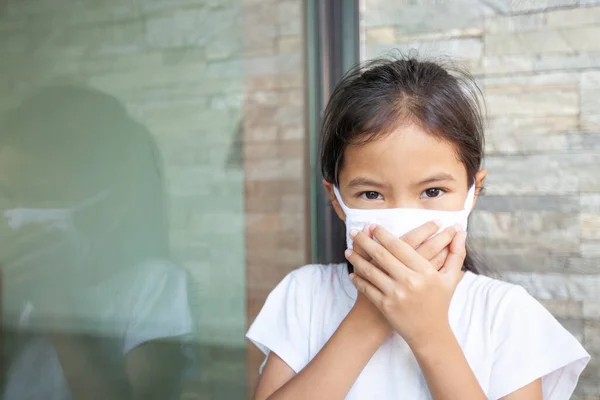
x,y
89,135
378,96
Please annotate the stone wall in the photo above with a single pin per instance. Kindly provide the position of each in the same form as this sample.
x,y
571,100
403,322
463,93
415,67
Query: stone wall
x,y
277,215
538,62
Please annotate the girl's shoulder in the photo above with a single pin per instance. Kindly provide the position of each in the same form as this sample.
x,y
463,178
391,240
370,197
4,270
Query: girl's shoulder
x,y
283,325
498,304
491,292
312,274
318,280
479,284
526,341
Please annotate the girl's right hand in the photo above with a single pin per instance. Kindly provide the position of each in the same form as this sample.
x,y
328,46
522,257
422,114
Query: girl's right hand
x,y
434,249
364,307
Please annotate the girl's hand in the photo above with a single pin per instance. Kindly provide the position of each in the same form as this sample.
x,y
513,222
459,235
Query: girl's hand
x,y
434,249
363,306
407,288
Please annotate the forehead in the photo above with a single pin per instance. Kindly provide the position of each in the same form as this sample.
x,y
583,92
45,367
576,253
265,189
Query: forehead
x,y
405,155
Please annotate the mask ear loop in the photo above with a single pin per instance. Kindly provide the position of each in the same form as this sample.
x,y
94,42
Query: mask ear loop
x,y
338,195
470,198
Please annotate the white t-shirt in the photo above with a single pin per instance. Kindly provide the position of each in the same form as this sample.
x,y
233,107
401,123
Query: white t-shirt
x,y
136,305
508,338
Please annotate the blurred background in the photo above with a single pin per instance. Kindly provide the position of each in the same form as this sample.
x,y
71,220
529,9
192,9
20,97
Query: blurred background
x,y
159,174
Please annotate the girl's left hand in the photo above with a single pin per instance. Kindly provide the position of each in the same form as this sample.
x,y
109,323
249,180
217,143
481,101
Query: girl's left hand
x,y
408,290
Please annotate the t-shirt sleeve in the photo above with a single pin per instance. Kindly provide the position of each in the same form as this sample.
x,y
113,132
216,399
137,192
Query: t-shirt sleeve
x,y
158,307
531,344
282,324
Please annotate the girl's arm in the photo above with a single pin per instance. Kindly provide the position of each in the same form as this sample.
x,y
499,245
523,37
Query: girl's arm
x,y
449,376
415,299
332,372
533,391
152,369
446,370
88,373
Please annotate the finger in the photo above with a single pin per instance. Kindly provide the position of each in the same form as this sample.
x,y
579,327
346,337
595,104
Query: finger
x,y
381,256
434,245
457,252
367,289
401,251
367,231
439,259
417,236
370,272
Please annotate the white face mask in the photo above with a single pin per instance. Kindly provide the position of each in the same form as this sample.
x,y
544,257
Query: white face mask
x,y
59,218
400,221
54,235
54,218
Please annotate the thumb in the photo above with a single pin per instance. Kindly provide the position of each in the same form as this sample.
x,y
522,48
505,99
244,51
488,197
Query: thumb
x,y
457,251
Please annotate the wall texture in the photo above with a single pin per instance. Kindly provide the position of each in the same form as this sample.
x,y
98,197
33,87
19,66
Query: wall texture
x,y
277,218
538,62
220,85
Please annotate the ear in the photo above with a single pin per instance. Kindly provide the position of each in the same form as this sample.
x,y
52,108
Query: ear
x,y
334,201
479,178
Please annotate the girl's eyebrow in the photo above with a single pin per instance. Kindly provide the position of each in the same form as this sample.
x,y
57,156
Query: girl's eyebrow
x,y
442,176
362,181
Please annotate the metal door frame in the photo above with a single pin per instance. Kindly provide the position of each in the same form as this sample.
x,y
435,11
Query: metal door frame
x,y
332,48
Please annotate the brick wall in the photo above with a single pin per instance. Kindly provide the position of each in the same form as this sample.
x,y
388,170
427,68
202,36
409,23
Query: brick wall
x,y
539,65
277,217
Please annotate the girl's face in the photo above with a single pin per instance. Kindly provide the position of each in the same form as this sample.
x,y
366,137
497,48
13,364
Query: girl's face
x,y
408,168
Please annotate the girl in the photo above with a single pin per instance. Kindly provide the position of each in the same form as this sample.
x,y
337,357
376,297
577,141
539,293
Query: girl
x,y
408,317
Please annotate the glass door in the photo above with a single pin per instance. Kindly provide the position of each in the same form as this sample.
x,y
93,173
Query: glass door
x,y
152,192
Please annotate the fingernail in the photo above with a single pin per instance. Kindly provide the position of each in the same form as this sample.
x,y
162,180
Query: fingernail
x,y
459,227
353,232
352,276
348,253
437,222
372,227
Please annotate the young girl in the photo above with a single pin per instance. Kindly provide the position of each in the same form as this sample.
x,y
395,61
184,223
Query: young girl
x,y
408,317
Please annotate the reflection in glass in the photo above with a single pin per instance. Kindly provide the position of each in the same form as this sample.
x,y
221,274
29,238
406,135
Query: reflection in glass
x,y
94,308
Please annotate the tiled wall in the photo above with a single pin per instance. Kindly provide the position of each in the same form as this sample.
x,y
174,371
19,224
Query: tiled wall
x,y
539,65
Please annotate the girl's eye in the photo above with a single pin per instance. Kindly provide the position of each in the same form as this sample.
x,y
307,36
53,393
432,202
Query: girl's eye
x,y
433,193
370,195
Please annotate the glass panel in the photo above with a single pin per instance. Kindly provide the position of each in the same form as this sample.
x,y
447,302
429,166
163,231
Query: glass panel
x,y
537,62
152,191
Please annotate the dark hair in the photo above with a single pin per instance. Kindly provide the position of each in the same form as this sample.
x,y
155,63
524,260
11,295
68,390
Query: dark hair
x,y
73,128
377,97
